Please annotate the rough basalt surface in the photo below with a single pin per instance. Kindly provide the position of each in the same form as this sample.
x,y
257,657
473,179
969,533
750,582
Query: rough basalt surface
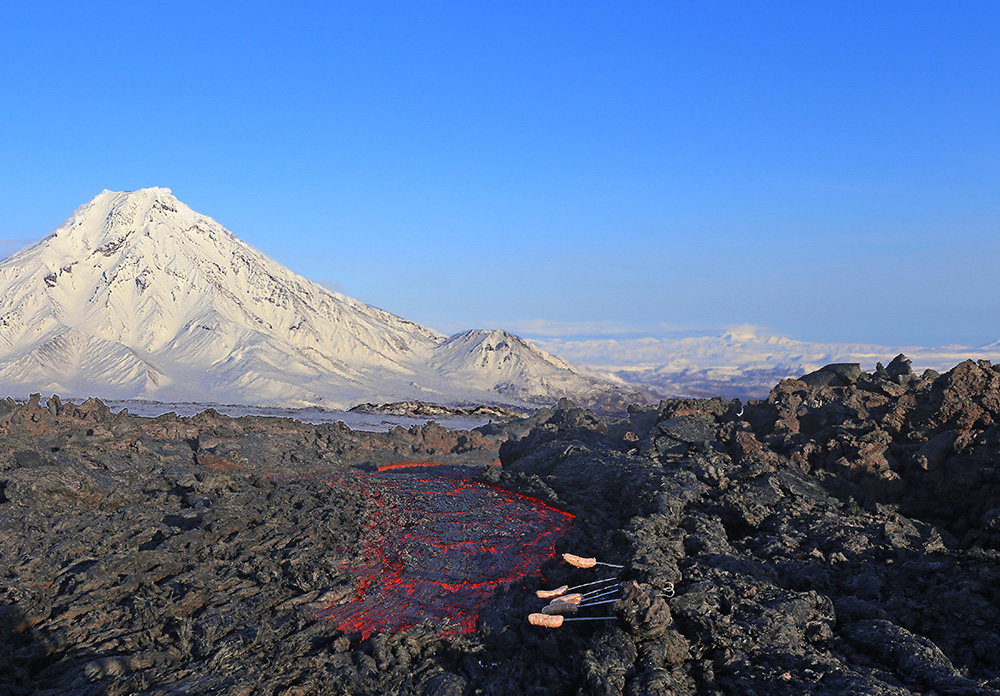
x,y
840,537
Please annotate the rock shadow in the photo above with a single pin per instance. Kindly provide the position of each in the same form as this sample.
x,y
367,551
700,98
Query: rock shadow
x,y
31,664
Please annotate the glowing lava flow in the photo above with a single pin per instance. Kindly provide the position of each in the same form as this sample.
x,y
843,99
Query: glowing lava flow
x,y
438,544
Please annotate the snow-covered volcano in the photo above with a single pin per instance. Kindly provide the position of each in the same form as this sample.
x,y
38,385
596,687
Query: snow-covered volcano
x,y
138,296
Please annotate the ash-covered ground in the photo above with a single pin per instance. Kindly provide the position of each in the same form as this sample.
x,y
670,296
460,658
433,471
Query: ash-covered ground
x,y
840,537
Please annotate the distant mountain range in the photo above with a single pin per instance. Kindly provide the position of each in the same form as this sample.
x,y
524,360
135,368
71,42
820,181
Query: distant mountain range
x,y
136,296
745,362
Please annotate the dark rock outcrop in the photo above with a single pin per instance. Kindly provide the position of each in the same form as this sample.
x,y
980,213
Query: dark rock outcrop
x,y
841,536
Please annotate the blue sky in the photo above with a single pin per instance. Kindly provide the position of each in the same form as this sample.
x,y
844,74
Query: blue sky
x,y
830,171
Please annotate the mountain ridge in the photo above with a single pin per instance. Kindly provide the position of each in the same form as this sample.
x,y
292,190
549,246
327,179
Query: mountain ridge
x,y
136,295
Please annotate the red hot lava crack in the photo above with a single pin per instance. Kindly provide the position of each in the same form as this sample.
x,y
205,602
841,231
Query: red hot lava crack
x,y
437,545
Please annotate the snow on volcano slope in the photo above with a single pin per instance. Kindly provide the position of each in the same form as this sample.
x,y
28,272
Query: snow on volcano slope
x,y
138,296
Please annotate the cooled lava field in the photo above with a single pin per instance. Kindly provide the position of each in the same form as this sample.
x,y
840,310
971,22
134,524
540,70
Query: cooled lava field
x,y
841,536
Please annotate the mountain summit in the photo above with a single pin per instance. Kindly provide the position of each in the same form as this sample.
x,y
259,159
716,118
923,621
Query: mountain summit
x,y
138,296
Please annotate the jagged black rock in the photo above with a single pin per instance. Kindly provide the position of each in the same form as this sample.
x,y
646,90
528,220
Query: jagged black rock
x,y
840,536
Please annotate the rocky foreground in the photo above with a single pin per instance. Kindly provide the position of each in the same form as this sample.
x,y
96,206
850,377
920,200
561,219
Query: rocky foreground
x,y
840,537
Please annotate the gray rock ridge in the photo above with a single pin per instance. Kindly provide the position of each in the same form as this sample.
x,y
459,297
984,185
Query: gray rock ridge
x,y
420,408
829,539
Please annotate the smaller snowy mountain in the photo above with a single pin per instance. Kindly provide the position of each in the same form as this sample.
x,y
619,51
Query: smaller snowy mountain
x,y
494,361
136,296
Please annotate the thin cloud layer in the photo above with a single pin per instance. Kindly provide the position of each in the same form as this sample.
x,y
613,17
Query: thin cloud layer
x,y
744,361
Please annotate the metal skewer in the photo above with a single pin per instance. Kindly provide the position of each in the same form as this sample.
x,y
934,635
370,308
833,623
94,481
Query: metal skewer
x,y
600,593
576,597
548,594
562,608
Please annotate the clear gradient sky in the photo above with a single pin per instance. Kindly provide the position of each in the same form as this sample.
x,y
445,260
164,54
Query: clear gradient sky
x,y
830,171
